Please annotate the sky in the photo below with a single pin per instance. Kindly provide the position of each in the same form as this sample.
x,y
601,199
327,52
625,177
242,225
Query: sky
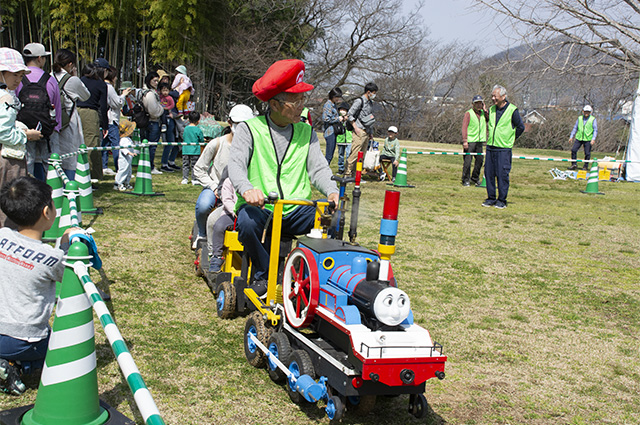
x,y
451,20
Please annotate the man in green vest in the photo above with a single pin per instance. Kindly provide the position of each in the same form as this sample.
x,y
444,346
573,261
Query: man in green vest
x,y
276,152
474,134
505,126
583,134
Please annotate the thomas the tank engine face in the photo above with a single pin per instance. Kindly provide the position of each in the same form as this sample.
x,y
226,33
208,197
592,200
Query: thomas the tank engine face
x,y
391,306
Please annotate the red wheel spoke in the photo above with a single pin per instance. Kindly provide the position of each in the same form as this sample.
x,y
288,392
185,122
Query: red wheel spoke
x,y
301,273
292,294
298,307
294,275
304,284
304,298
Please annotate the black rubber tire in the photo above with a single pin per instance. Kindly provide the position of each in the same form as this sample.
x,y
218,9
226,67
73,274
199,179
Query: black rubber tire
x,y
338,406
256,324
226,300
418,405
280,344
363,406
300,363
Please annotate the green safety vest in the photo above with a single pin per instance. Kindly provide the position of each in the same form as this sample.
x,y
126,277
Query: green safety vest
x,y
585,131
345,138
502,135
305,114
477,129
289,179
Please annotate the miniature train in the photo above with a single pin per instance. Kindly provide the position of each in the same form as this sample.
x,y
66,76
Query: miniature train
x,y
334,325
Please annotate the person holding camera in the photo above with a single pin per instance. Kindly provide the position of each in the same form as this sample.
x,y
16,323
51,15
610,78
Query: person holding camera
x,y
361,119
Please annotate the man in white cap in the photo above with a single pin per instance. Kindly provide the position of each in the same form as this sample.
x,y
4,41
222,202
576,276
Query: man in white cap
x,y
276,152
39,112
583,134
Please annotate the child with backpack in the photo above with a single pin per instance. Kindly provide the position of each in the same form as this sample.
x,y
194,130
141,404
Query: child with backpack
x,y
41,109
343,140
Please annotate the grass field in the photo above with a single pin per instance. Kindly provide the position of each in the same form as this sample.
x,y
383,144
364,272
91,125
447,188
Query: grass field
x,y
537,305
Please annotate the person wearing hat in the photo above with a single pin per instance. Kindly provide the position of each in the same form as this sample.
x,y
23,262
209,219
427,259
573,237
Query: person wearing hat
x,y
474,134
13,135
35,57
390,153
276,152
123,176
504,126
584,134
183,85
163,77
211,164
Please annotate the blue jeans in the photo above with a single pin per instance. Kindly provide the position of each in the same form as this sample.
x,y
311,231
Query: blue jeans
x,y
152,135
204,205
497,166
169,136
331,147
23,351
250,224
343,152
112,139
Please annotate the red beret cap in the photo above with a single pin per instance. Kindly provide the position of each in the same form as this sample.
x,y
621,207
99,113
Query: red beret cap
x,y
283,76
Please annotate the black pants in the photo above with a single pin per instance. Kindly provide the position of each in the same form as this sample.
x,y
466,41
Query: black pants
x,y
475,147
498,167
587,151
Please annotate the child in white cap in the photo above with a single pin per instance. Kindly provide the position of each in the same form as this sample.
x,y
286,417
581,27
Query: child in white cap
x,y
390,153
182,84
13,134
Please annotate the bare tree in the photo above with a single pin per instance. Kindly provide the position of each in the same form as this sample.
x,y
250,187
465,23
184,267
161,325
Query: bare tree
x,y
602,37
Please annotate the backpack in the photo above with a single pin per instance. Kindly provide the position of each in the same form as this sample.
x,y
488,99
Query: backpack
x,y
36,105
138,112
65,116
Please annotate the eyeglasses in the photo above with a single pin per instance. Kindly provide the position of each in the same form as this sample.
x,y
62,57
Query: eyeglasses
x,y
296,104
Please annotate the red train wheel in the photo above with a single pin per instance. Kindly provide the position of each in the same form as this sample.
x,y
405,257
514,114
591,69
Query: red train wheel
x,y
300,287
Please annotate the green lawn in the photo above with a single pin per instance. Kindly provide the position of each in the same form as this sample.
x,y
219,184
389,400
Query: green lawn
x,y
537,305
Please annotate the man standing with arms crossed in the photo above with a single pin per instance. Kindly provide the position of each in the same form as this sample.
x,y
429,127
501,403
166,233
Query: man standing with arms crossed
x,y
584,133
505,126
474,134
277,153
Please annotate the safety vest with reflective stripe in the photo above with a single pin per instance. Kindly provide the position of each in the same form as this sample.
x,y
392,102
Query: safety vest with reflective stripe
x,y
585,130
502,135
477,128
289,178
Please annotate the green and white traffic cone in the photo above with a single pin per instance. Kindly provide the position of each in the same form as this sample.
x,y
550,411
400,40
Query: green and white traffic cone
x,y
65,215
592,179
143,185
83,177
71,193
401,175
483,183
55,181
68,391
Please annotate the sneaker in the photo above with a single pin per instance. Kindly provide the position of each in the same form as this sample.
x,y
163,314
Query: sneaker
x,y
215,265
129,187
489,203
174,166
466,184
383,176
122,188
163,128
184,181
156,171
500,205
108,172
193,182
479,184
10,381
260,288
573,168
115,186
167,169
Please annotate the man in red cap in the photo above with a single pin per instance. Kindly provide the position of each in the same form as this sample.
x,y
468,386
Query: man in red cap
x,y
277,153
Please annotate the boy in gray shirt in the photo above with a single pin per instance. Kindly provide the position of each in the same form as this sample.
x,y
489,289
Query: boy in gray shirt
x,y
29,270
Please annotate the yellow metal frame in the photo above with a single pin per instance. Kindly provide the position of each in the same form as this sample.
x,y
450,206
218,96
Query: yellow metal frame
x,y
274,292
232,254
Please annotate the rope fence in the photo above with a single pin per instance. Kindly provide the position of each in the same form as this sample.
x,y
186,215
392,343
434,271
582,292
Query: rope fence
x,y
533,158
